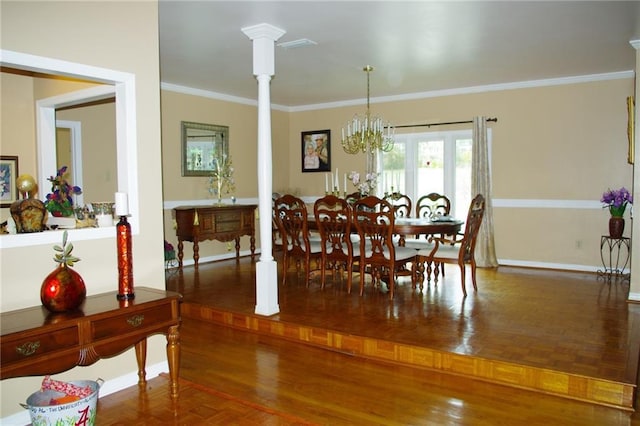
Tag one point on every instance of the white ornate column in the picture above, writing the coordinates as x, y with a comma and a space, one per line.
264, 37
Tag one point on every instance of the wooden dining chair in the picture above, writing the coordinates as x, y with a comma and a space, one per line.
333, 218
379, 255
432, 205
291, 218
276, 236
460, 251
401, 204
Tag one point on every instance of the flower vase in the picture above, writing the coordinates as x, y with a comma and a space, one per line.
616, 226
62, 290
219, 182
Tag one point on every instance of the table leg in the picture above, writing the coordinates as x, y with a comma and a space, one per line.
253, 245
141, 358
196, 252
237, 248
173, 358
180, 253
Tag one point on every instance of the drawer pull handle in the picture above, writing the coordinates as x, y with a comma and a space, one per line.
28, 348
136, 320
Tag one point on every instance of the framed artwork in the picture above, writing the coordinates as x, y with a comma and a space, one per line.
631, 128
316, 151
8, 177
201, 145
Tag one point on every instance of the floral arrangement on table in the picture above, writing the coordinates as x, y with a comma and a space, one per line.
616, 201
365, 186
221, 178
59, 201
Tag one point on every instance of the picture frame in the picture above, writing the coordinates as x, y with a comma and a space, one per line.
315, 147
8, 178
201, 145
631, 128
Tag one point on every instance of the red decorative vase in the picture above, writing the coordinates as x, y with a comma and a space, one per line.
63, 290
616, 227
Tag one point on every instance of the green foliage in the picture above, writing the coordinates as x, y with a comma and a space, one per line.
64, 252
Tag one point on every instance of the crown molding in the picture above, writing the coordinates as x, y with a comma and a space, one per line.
411, 96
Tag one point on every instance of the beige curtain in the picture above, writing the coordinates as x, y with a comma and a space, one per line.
481, 184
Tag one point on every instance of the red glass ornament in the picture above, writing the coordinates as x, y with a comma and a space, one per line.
62, 290
125, 260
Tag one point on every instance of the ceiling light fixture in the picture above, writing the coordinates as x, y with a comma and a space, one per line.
368, 134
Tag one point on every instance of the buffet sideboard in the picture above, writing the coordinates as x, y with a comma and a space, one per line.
225, 222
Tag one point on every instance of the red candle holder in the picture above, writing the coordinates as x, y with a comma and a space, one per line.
125, 260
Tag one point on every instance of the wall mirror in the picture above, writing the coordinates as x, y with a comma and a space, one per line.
202, 144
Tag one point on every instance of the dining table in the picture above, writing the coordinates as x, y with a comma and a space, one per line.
444, 225
414, 227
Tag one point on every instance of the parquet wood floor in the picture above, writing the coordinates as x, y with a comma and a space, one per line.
578, 334
233, 377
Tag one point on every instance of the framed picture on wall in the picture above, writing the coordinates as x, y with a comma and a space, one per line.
316, 151
8, 176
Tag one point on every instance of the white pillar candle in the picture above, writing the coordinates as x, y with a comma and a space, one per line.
326, 183
332, 182
122, 204
337, 181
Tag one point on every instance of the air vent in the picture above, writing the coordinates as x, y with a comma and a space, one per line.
303, 42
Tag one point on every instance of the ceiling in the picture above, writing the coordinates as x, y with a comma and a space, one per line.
415, 47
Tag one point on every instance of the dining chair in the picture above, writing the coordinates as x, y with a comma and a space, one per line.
433, 204
353, 197
379, 255
460, 251
401, 204
291, 218
333, 218
276, 236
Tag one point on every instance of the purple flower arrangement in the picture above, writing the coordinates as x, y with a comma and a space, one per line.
616, 201
59, 201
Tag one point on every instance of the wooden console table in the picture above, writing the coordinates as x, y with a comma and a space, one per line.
37, 342
222, 223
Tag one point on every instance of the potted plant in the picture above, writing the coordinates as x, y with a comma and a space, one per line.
616, 201
59, 201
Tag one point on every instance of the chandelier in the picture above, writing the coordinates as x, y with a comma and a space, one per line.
367, 134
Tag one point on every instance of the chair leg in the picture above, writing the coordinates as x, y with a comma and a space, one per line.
284, 269
322, 271
349, 276
473, 274
462, 279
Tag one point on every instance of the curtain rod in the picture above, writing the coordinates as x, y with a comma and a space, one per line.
494, 119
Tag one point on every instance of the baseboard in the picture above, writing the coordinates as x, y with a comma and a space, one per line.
111, 386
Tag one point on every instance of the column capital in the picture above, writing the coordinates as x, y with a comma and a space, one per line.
264, 30
263, 37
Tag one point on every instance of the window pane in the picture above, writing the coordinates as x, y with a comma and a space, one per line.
430, 167
393, 174
463, 178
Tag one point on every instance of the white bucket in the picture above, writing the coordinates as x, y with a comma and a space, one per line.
80, 412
